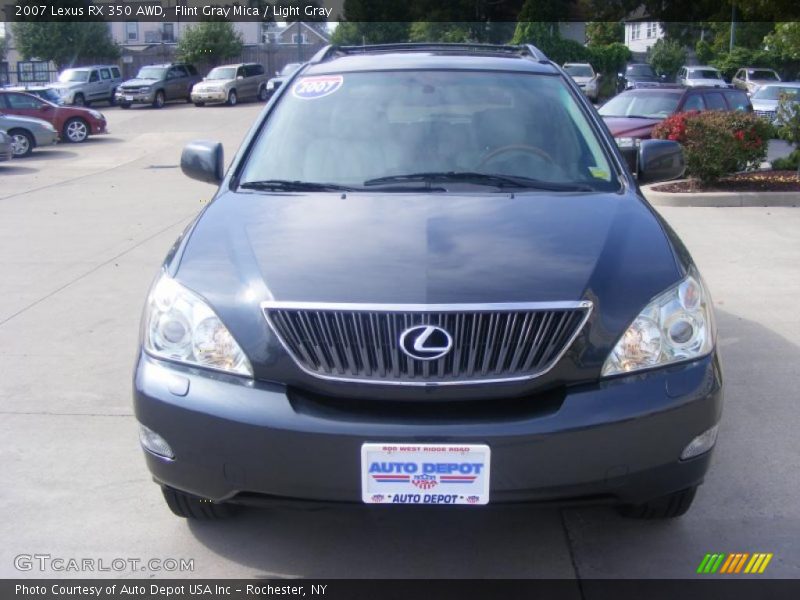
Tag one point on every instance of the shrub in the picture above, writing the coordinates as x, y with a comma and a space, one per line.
667, 57
717, 143
789, 122
787, 163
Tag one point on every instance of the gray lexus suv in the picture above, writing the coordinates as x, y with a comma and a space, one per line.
429, 277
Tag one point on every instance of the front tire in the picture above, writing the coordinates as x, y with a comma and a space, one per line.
124, 105
665, 507
159, 100
79, 100
199, 103
22, 143
198, 509
263, 95
76, 130
233, 98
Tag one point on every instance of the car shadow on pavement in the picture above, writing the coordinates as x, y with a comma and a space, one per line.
743, 510
50, 154
384, 542
103, 139
16, 170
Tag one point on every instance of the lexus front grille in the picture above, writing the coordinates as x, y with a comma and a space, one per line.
477, 343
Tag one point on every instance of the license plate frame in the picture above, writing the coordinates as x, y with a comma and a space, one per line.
420, 473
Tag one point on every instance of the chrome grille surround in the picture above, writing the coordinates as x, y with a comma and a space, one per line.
767, 114
359, 343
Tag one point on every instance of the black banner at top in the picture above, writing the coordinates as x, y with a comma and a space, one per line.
401, 10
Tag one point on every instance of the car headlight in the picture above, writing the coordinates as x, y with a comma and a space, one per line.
49, 126
626, 142
677, 325
178, 325
270, 85
97, 115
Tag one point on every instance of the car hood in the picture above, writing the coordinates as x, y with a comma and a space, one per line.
706, 83
6, 120
764, 104
622, 126
247, 248
583, 79
213, 83
65, 86
138, 82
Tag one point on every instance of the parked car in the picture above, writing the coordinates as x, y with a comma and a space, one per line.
6, 146
585, 77
701, 76
281, 76
231, 83
83, 85
634, 113
27, 133
766, 99
749, 79
158, 84
45, 93
74, 123
638, 75
429, 277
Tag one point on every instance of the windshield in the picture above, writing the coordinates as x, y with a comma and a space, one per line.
704, 74
764, 75
579, 70
353, 128
289, 69
151, 73
640, 71
650, 105
774, 92
222, 73
73, 76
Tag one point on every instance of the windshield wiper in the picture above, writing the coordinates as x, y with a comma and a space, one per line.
286, 185
493, 179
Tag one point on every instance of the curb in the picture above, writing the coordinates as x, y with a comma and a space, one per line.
720, 199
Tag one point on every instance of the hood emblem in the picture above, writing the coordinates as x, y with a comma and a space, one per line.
426, 342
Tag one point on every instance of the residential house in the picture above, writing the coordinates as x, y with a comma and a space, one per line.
641, 33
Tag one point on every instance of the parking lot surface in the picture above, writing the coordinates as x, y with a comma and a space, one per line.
83, 230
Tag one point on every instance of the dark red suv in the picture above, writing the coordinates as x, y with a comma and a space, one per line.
74, 124
634, 113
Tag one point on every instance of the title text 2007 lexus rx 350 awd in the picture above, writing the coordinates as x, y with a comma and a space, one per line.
429, 277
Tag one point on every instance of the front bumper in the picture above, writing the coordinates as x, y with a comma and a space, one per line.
209, 96
619, 440
123, 97
46, 138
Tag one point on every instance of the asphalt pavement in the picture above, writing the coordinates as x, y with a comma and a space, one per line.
83, 230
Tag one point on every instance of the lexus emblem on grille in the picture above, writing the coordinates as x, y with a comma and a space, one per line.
425, 342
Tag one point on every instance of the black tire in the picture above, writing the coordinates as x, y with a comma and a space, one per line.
263, 94
665, 507
124, 105
79, 100
76, 130
113, 98
199, 103
159, 100
198, 509
22, 142
233, 98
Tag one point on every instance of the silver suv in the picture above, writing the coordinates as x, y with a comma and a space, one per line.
231, 83
158, 84
83, 85
750, 79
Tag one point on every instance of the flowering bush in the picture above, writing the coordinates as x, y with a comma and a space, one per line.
717, 143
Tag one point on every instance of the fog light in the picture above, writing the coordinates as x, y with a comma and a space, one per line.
154, 442
702, 443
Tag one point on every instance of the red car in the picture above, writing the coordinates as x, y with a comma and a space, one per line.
634, 113
74, 124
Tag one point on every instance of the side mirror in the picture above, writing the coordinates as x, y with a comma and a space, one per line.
660, 160
203, 160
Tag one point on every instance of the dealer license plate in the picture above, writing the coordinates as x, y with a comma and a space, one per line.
425, 473
128, 98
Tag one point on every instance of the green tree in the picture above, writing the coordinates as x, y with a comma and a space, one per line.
355, 33
209, 42
603, 33
459, 32
666, 57
785, 40
788, 125
65, 42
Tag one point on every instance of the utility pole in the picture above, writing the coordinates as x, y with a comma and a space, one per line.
733, 28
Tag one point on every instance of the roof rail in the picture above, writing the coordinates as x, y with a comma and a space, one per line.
331, 51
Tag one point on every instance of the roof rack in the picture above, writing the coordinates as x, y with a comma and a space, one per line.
527, 50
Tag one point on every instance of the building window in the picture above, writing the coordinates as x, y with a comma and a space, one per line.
652, 29
635, 31
299, 38
168, 33
131, 31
